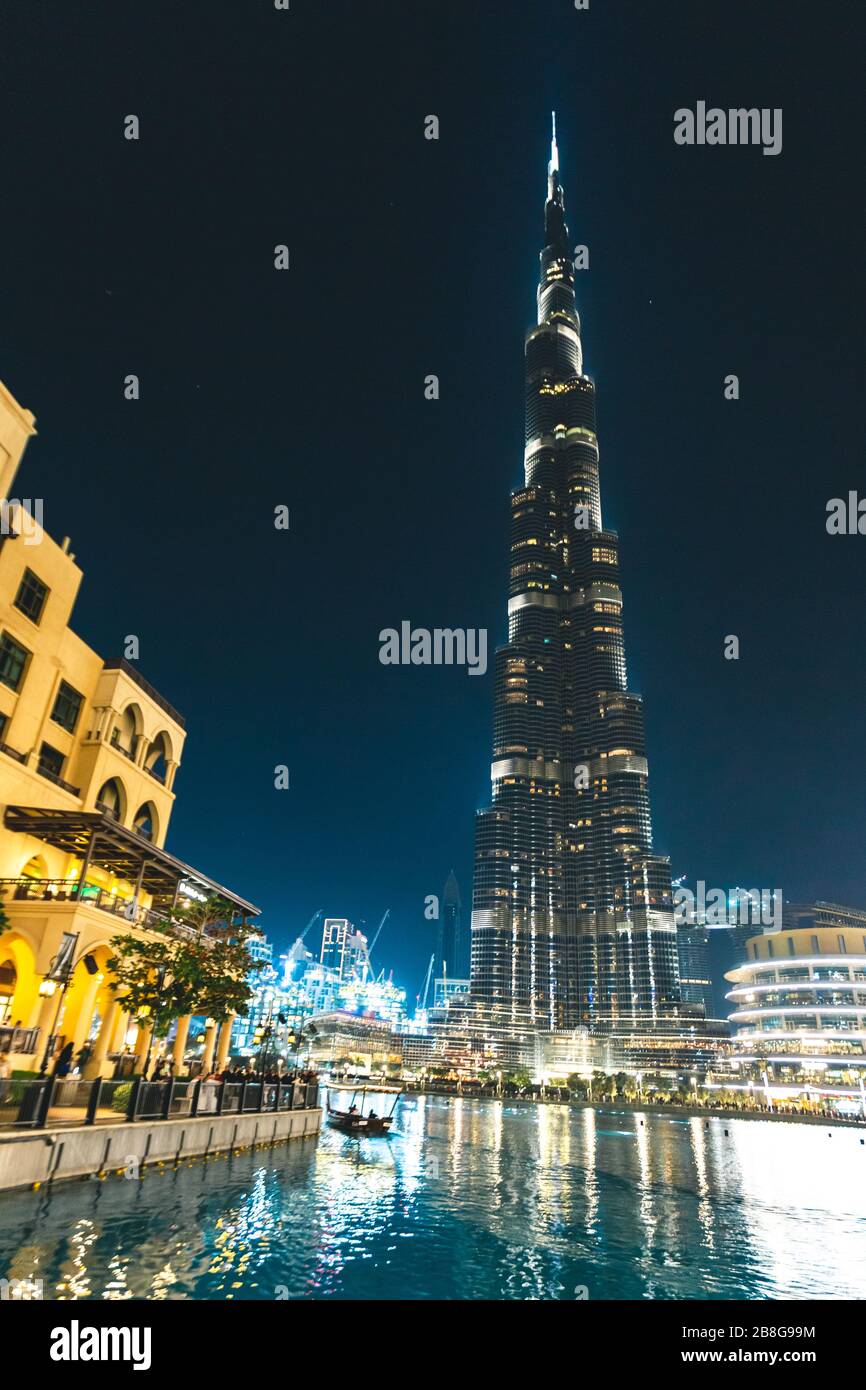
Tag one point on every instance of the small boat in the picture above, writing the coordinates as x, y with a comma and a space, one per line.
355, 1121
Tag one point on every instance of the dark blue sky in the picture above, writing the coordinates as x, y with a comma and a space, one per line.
306, 388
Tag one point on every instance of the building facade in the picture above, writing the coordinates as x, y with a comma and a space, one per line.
450, 953
799, 1002
696, 984
343, 948
89, 751
572, 911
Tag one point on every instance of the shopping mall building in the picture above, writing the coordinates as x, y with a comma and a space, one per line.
799, 1008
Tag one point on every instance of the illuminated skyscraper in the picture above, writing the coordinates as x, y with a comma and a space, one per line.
696, 985
572, 913
344, 950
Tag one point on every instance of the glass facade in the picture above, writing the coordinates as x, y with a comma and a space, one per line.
804, 1019
572, 911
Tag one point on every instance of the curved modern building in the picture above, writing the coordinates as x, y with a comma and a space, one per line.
572, 915
799, 1001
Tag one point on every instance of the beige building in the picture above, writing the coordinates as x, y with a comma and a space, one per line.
89, 752
798, 1004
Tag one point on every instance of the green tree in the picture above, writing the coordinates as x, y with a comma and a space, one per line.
601, 1085
171, 972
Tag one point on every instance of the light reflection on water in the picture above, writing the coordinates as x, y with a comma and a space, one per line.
469, 1199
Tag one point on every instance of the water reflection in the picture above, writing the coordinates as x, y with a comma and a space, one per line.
469, 1199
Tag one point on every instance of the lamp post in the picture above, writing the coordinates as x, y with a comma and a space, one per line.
46, 989
60, 972
267, 1034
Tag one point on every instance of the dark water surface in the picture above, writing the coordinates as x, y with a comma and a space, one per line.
469, 1199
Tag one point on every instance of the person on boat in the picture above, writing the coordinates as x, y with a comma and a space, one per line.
353, 1109
371, 1115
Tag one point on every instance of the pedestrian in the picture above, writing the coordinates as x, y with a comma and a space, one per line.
63, 1065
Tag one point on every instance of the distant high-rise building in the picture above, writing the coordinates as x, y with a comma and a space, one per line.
450, 953
295, 961
823, 917
261, 951
356, 961
696, 985
572, 915
334, 933
343, 949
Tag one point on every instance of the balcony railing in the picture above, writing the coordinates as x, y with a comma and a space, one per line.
18, 1039
57, 779
119, 663
64, 890
13, 753
121, 748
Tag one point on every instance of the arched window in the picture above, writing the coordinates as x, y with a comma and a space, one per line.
145, 821
126, 731
111, 799
35, 868
158, 756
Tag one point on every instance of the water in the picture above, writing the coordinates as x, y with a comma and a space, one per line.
470, 1199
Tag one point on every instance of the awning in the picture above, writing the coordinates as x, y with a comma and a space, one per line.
120, 851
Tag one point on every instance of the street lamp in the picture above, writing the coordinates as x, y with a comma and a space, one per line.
60, 972
267, 1033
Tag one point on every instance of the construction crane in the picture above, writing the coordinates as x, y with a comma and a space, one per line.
376, 937
427, 981
287, 958
315, 917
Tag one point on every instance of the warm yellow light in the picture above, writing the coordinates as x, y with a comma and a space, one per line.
47, 988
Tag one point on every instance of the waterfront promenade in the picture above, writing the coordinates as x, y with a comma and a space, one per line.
69, 1129
639, 1107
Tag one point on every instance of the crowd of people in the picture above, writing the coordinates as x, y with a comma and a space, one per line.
66, 1063
239, 1069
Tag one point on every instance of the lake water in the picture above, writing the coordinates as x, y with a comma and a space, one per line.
470, 1199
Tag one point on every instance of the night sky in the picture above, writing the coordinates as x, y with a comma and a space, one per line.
305, 388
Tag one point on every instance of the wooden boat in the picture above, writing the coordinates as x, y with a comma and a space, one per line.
355, 1121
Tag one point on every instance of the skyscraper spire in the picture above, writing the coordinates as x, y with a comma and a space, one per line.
555, 230
553, 166
572, 920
